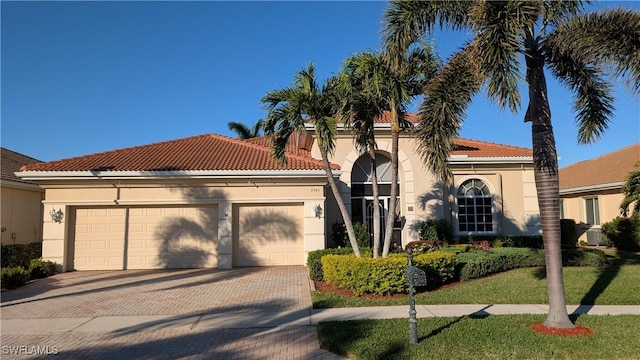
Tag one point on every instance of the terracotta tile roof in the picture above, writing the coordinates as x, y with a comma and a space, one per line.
609, 168
11, 162
292, 146
204, 152
476, 148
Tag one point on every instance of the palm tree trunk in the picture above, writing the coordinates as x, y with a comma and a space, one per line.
336, 194
395, 135
376, 202
545, 161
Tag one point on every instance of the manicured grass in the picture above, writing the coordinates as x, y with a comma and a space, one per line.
614, 285
492, 337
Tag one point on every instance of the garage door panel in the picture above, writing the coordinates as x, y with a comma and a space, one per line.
152, 236
268, 235
99, 239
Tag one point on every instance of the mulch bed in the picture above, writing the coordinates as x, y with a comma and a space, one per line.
576, 331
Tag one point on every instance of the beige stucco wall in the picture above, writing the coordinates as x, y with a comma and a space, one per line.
21, 213
423, 197
574, 207
516, 211
310, 193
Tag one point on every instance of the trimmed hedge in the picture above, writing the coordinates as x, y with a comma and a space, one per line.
315, 266
20, 254
477, 264
14, 276
39, 268
384, 276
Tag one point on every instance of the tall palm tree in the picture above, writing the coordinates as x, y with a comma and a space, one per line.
243, 131
306, 102
581, 50
382, 86
631, 191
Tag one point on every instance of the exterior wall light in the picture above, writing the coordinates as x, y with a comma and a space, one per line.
56, 216
317, 210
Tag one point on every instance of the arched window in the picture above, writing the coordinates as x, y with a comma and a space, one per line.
475, 207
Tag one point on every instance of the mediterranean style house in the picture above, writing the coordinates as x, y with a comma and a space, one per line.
590, 190
21, 200
214, 201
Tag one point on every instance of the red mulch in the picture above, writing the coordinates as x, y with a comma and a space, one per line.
576, 331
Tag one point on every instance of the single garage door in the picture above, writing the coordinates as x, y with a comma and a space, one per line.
266, 235
145, 238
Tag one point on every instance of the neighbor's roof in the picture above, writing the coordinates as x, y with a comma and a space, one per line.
204, 152
11, 162
610, 168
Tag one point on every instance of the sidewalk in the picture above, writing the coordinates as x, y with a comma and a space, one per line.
249, 320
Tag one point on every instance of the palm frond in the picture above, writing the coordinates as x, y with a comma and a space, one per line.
556, 11
442, 111
608, 40
499, 27
241, 130
406, 21
593, 100
631, 191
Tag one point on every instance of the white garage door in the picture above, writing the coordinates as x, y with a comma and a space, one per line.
268, 235
145, 238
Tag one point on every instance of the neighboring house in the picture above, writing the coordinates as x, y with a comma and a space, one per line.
21, 201
590, 190
213, 201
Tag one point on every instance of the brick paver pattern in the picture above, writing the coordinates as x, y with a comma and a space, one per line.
164, 292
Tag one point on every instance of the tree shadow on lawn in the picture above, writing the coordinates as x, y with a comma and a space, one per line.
606, 275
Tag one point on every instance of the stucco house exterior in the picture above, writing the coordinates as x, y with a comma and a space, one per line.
214, 201
591, 190
21, 213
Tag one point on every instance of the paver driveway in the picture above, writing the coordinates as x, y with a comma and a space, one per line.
85, 300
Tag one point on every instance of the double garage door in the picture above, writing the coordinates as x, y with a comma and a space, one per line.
184, 237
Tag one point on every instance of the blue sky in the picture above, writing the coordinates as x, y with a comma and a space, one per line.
85, 77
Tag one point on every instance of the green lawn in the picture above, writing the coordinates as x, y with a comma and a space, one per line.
492, 337
614, 285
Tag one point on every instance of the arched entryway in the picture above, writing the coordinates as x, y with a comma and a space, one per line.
362, 202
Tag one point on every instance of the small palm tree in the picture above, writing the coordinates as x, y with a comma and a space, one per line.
243, 132
378, 86
631, 191
305, 102
579, 49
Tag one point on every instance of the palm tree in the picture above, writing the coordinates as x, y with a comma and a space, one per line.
377, 87
305, 102
580, 50
631, 191
243, 132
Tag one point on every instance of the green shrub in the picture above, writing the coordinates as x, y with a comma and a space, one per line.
339, 234
568, 234
623, 232
315, 265
477, 264
20, 254
384, 276
14, 276
435, 230
584, 257
39, 268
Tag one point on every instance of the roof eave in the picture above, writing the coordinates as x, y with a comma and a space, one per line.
463, 159
592, 188
198, 174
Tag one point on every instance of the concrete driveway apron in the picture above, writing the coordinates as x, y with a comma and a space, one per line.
243, 313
